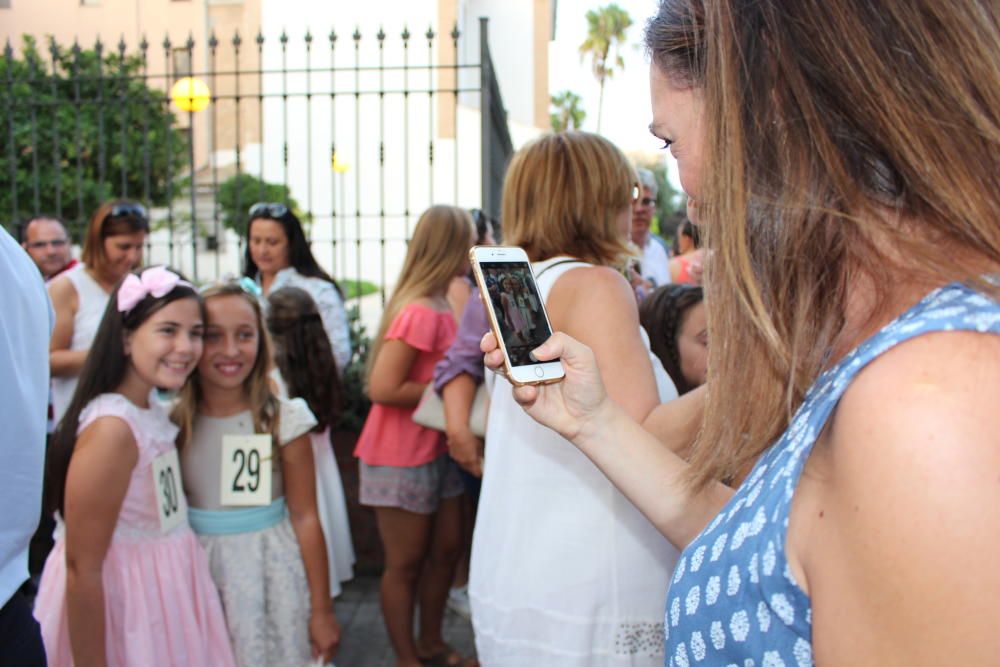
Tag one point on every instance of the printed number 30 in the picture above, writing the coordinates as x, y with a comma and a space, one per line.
168, 482
251, 463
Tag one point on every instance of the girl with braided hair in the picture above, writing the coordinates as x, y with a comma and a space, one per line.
674, 317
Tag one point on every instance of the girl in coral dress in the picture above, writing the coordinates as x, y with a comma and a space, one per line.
127, 582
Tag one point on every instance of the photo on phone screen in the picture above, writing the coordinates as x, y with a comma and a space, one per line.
513, 295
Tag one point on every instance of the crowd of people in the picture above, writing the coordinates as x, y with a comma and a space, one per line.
781, 438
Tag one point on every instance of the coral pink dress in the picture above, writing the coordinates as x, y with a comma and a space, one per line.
160, 605
390, 437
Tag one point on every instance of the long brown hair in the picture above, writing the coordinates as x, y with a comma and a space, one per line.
263, 403
848, 142
436, 254
103, 372
303, 354
562, 195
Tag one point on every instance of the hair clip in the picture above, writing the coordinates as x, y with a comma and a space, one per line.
250, 286
157, 281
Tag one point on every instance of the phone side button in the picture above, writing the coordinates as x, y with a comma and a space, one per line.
539, 372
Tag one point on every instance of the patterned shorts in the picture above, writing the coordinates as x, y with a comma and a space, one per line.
418, 489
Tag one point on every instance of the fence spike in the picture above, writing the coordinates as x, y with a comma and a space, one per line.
284, 38
189, 44
380, 35
236, 39
144, 44
8, 53
455, 33
406, 34
309, 37
166, 43
99, 46
213, 41
357, 34
332, 37
260, 39
121, 46
429, 34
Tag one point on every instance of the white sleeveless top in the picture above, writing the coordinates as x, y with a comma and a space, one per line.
91, 302
565, 571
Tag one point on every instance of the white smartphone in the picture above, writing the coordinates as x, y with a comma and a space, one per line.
516, 312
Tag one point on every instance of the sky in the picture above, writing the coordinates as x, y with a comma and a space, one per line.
626, 95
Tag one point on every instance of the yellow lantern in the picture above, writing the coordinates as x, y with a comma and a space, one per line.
190, 94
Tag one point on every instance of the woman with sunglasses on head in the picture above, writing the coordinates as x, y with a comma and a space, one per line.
278, 255
112, 247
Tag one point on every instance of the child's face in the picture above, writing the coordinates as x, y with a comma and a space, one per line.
166, 347
231, 342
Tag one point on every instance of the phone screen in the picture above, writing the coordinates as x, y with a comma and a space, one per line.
513, 296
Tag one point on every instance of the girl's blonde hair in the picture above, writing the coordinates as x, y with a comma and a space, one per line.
847, 142
437, 253
262, 400
562, 195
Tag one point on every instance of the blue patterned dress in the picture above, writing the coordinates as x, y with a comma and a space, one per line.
733, 599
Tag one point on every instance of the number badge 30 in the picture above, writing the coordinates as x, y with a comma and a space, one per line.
170, 502
246, 470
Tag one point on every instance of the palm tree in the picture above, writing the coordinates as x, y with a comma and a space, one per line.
605, 29
566, 112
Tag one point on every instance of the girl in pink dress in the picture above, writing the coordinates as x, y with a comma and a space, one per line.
127, 582
406, 473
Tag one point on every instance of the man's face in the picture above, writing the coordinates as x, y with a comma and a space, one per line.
48, 244
642, 216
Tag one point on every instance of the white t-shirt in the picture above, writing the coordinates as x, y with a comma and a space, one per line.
655, 263
24, 393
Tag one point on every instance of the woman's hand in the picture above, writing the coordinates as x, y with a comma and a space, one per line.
572, 407
324, 634
467, 451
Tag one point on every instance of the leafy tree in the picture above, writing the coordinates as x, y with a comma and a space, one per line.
86, 128
238, 193
566, 111
606, 29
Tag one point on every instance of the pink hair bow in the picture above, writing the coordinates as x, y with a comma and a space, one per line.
157, 281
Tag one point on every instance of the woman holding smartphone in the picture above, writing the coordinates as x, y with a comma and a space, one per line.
564, 569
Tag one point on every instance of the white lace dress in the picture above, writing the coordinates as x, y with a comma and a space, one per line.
260, 574
565, 571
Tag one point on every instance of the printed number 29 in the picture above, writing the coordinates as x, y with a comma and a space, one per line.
168, 482
251, 464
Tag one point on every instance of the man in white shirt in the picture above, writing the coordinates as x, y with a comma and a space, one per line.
654, 263
24, 366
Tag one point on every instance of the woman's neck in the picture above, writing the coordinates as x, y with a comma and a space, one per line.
135, 389
107, 283
223, 402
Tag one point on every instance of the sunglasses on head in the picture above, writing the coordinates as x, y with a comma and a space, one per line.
128, 209
264, 209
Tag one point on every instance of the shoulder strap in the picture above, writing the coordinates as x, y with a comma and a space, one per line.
569, 260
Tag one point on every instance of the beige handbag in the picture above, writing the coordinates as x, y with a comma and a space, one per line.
430, 411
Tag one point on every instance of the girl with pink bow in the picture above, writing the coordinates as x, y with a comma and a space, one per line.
127, 582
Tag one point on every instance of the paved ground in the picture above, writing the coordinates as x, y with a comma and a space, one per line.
365, 643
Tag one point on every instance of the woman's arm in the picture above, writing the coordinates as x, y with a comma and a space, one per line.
96, 484
65, 302
388, 383
300, 492
334, 315
896, 522
463, 445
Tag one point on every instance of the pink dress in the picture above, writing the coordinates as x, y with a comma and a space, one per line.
390, 437
160, 605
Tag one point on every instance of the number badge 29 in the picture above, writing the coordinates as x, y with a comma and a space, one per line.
170, 503
246, 470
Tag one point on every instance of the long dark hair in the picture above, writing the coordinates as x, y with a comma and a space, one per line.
103, 372
303, 354
661, 314
299, 253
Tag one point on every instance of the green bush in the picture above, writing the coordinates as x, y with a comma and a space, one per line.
355, 404
238, 193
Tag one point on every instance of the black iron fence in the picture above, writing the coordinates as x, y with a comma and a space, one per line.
358, 132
